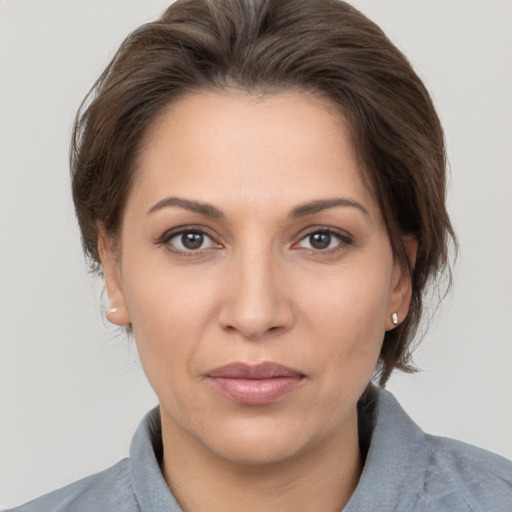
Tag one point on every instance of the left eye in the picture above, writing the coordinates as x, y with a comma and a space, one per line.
322, 240
192, 240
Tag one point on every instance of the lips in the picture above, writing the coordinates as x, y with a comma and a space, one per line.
260, 384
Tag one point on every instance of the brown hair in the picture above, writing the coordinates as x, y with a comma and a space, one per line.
262, 46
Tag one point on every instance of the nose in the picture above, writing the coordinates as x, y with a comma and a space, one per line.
256, 297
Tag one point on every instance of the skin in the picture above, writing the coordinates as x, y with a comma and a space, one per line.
257, 289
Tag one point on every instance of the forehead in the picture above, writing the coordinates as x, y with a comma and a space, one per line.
277, 149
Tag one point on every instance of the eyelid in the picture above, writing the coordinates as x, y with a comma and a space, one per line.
345, 238
168, 235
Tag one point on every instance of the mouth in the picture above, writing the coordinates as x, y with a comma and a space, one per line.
260, 384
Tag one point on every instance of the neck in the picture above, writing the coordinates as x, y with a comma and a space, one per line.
319, 479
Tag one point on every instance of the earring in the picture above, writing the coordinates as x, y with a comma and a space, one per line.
394, 319
112, 310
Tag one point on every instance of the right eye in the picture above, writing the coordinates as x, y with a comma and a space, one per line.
189, 241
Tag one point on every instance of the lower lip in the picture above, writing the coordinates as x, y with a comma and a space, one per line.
255, 391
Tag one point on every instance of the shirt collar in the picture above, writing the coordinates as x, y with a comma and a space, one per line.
392, 476
394, 470
148, 483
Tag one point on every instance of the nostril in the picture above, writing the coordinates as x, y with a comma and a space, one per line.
259, 312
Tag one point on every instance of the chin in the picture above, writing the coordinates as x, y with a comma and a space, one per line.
258, 442
252, 452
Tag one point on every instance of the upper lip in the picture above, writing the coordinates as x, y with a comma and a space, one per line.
266, 370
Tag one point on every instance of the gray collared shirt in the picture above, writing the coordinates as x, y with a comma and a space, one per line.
405, 470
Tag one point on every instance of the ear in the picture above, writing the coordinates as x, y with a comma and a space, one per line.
402, 286
117, 312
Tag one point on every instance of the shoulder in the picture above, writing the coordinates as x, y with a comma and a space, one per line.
459, 472
409, 470
108, 490
130, 485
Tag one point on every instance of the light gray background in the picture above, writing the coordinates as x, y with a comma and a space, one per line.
71, 394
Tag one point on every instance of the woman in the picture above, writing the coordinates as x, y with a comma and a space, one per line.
262, 186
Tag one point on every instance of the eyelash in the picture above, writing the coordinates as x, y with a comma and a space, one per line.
166, 238
343, 239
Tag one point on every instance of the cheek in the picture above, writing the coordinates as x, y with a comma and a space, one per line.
349, 311
168, 312
354, 297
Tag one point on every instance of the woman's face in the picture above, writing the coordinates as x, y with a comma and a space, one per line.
257, 273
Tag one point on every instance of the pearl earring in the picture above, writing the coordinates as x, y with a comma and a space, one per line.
112, 310
394, 319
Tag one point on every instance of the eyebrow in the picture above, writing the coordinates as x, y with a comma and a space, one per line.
324, 204
195, 206
302, 210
